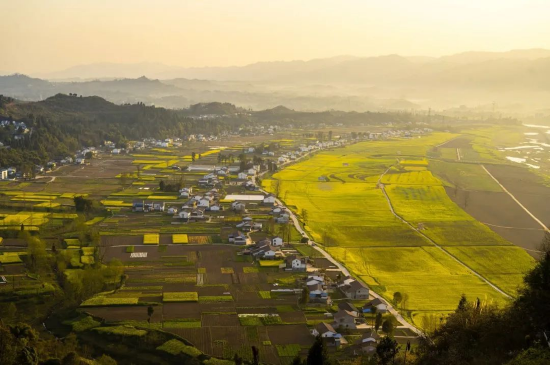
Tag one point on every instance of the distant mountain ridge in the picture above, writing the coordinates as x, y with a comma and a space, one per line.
518, 80
265, 70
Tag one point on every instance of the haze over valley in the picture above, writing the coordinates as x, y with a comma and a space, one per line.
255, 182
511, 82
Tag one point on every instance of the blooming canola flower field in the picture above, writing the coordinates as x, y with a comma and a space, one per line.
339, 195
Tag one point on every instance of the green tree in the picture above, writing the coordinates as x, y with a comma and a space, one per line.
532, 356
8, 346
305, 216
397, 298
106, 360
304, 299
387, 349
462, 303
318, 353
150, 311
37, 256
82, 204
237, 359
71, 358
378, 321
388, 326
255, 356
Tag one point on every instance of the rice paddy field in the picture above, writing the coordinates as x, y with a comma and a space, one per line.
349, 213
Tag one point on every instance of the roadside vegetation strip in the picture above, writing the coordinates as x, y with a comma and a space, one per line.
517, 201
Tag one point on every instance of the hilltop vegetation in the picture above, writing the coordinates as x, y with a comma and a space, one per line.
63, 123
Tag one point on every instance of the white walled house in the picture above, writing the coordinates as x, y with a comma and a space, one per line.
296, 263
324, 329
204, 203
269, 199
277, 241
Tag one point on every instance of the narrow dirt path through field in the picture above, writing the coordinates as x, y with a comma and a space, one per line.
517, 201
411, 226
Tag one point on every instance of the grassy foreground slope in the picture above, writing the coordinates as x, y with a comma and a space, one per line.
350, 215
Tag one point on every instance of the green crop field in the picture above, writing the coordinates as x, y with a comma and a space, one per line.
504, 266
175, 347
121, 331
99, 301
432, 280
464, 176
349, 214
180, 297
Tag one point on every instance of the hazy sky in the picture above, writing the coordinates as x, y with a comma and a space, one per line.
49, 35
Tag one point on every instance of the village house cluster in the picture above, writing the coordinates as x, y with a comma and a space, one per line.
348, 316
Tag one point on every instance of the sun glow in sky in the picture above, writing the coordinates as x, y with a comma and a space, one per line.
43, 36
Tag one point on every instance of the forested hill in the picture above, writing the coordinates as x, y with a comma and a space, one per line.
62, 124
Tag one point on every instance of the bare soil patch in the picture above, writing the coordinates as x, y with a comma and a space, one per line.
501, 214
293, 317
527, 187
294, 333
199, 337
460, 142
215, 320
181, 310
